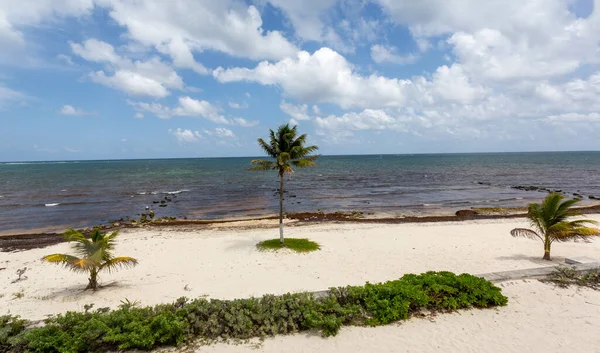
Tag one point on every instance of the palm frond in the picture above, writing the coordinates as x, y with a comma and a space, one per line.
575, 234
302, 163
118, 263
261, 165
268, 148
59, 258
71, 262
73, 235
525, 233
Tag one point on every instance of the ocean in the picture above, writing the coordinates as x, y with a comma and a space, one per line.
37, 195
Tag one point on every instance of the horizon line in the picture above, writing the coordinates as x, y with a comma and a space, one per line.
262, 156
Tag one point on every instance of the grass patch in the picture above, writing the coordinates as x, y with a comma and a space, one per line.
298, 245
184, 321
565, 277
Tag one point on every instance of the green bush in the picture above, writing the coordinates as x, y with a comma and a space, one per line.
130, 327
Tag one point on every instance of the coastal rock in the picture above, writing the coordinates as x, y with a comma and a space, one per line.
592, 197
466, 213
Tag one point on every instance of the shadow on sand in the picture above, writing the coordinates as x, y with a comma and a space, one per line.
556, 260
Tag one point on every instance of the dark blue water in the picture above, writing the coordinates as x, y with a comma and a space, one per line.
43, 194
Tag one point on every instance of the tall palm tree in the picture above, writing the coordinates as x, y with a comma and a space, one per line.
94, 255
550, 219
288, 151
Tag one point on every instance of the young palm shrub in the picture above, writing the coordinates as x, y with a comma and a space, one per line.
288, 151
94, 255
550, 220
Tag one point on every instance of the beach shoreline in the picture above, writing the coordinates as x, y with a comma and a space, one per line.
24, 239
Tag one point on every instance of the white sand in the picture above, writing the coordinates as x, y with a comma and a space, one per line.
223, 262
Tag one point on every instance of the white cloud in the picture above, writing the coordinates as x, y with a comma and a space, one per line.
324, 76
71, 110
191, 108
96, 50
297, 112
368, 119
138, 115
15, 16
186, 136
452, 84
245, 123
151, 77
186, 27
187, 107
381, 54
131, 83
220, 132
505, 40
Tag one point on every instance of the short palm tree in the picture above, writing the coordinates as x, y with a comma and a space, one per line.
94, 255
288, 151
550, 219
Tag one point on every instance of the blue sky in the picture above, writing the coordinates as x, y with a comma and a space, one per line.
103, 79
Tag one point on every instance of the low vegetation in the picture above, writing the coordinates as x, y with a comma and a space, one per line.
132, 327
498, 210
95, 255
295, 244
565, 277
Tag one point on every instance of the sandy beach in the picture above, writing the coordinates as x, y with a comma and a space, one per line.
221, 261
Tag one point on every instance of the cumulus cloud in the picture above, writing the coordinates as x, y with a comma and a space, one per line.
71, 110
151, 77
187, 107
245, 123
325, 76
186, 136
225, 26
220, 132
297, 112
382, 54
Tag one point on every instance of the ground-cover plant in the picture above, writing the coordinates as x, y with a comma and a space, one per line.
289, 151
565, 277
295, 244
133, 327
95, 255
550, 218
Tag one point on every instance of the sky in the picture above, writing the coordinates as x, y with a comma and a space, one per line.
118, 79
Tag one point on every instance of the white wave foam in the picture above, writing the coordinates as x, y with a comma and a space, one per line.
175, 192
51, 204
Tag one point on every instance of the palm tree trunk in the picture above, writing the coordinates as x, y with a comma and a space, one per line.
547, 249
93, 280
281, 209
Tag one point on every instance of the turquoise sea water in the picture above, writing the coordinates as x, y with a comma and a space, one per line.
84, 193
